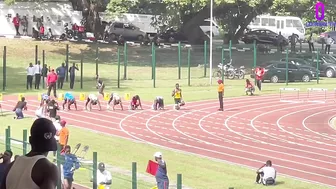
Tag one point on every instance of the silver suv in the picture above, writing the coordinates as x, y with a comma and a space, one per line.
127, 30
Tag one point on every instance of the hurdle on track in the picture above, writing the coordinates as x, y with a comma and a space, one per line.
322, 95
294, 94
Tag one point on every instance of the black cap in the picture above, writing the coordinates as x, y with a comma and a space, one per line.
42, 135
101, 165
57, 117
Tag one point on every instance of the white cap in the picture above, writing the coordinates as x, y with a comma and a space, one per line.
158, 154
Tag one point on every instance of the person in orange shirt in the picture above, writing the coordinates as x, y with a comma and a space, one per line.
63, 135
220, 94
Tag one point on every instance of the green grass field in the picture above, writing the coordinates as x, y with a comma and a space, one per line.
121, 152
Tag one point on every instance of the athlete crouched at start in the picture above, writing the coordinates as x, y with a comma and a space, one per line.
93, 100
69, 99
115, 100
158, 103
135, 102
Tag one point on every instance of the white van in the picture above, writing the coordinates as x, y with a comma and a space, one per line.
287, 25
205, 26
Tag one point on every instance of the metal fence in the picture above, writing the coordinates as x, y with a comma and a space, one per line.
134, 61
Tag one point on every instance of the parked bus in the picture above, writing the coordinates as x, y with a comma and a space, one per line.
287, 25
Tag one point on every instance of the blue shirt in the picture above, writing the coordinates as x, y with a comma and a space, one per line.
70, 164
69, 96
61, 71
44, 97
161, 173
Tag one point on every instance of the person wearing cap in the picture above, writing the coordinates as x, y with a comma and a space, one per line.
69, 99
70, 165
63, 135
115, 100
92, 100
19, 107
51, 82
6, 160
177, 94
34, 170
104, 177
162, 179
220, 94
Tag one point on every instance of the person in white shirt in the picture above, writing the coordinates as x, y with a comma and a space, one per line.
104, 176
58, 128
158, 103
30, 75
266, 174
93, 100
37, 72
115, 100
329, 41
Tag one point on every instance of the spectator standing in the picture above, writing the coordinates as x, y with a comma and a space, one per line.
293, 42
104, 176
220, 94
162, 179
44, 73
70, 164
64, 135
259, 74
329, 41
51, 82
37, 72
34, 170
311, 43
20, 106
58, 128
16, 22
72, 71
61, 72
6, 160
30, 76
24, 23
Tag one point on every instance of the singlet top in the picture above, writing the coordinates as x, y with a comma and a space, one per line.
69, 96
159, 98
116, 97
20, 174
93, 97
177, 93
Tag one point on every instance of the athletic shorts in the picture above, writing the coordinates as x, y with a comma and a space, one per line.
70, 101
116, 102
177, 100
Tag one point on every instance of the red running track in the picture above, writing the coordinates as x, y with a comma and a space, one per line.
295, 135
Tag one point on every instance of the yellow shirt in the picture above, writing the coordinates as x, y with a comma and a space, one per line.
177, 93
221, 88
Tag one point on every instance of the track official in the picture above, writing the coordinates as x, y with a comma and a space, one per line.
220, 94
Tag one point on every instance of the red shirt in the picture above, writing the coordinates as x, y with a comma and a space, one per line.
42, 30
16, 21
249, 85
52, 78
259, 73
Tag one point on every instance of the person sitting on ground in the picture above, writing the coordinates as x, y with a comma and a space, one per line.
135, 102
266, 174
52, 109
34, 170
70, 165
69, 99
20, 106
158, 103
177, 94
93, 100
249, 88
115, 100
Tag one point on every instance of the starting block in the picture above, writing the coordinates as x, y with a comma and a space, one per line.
20, 96
106, 96
39, 96
127, 96
60, 97
81, 97
289, 94
1, 97
318, 95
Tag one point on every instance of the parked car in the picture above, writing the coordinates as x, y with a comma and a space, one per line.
172, 36
275, 71
128, 31
263, 36
327, 63
324, 35
300, 62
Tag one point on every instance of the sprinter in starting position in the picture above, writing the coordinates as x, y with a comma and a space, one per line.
135, 103
93, 100
69, 99
158, 103
115, 100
